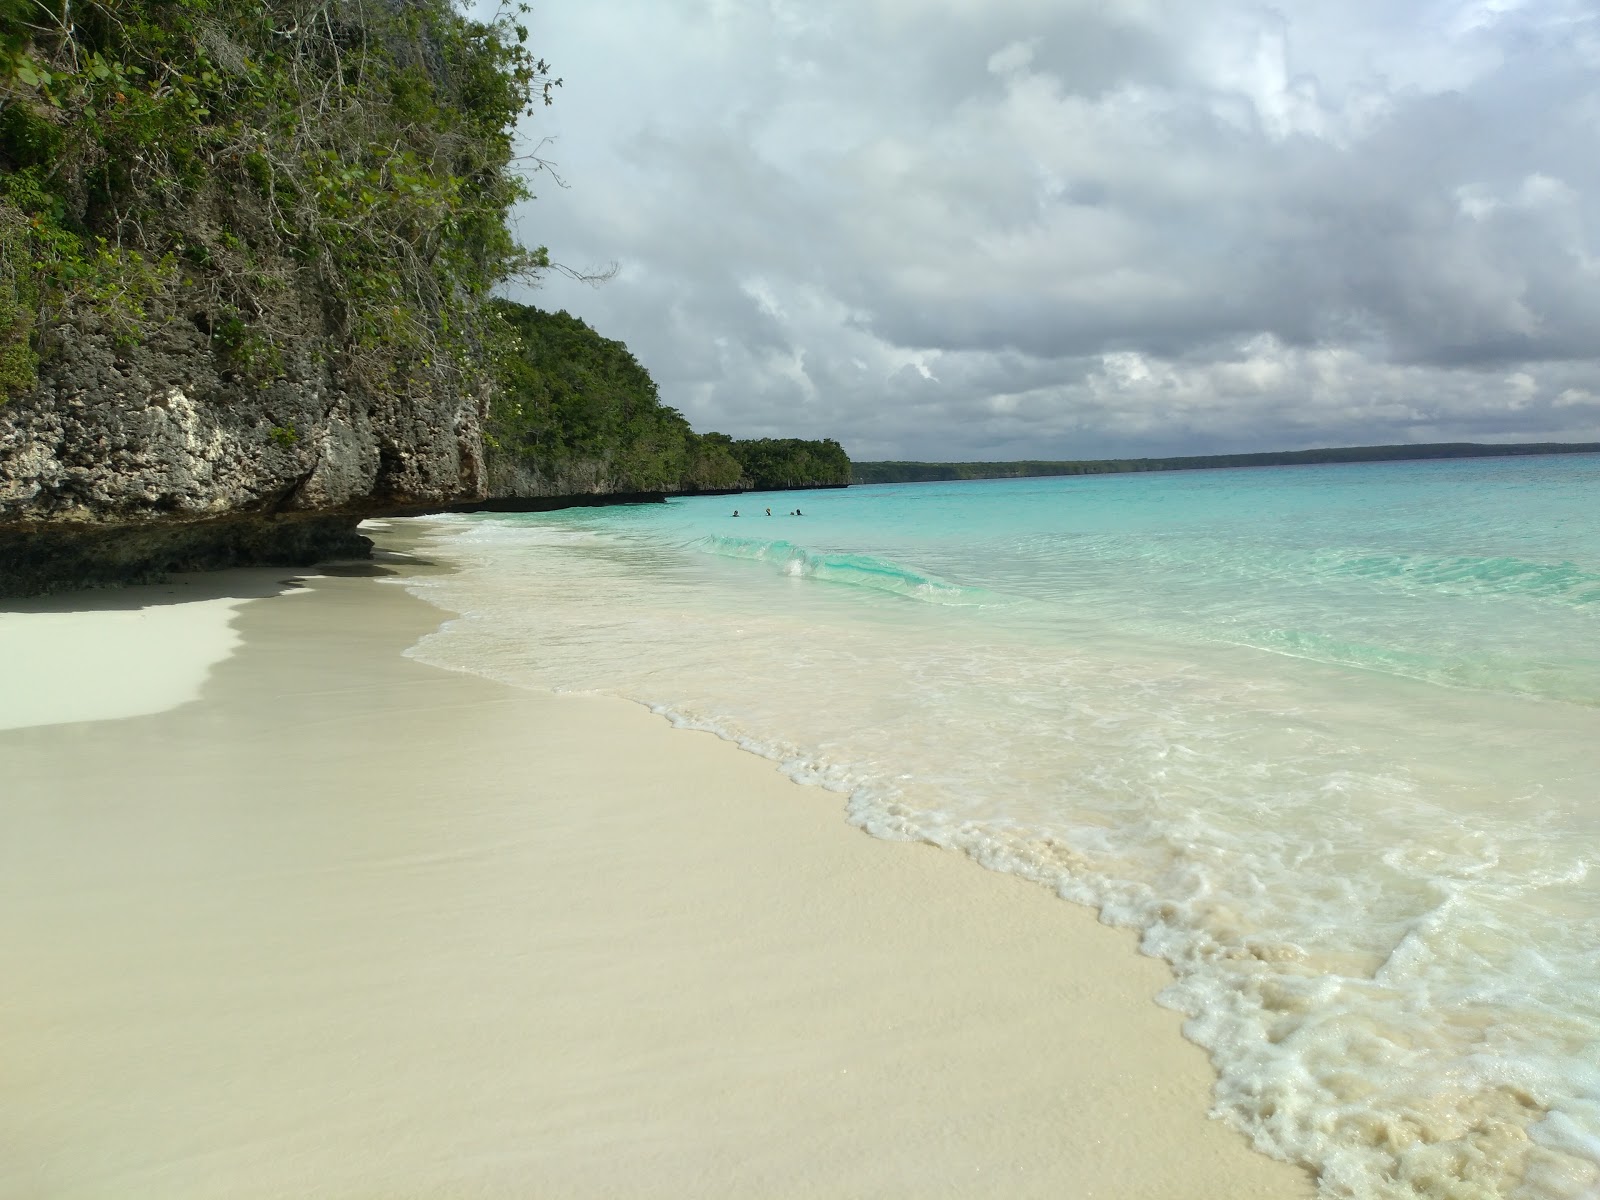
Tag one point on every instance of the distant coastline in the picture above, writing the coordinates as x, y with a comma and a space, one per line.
929, 472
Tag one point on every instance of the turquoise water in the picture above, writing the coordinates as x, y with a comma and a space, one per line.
1329, 737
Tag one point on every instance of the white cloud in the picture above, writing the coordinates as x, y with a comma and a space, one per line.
946, 227
1012, 59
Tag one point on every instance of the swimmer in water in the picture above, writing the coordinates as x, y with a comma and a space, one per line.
736, 512
769, 512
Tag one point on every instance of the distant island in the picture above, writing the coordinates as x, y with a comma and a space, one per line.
929, 472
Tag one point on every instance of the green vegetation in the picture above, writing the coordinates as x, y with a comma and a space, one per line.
276, 172
792, 462
575, 412
923, 472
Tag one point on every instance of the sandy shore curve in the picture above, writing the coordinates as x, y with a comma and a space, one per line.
352, 926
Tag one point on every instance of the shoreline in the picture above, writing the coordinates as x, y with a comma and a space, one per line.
351, 924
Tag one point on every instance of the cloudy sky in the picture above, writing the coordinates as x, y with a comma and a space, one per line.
1065, 228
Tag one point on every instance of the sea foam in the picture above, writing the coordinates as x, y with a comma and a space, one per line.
852, 570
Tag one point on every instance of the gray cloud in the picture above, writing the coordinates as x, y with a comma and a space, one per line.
964, 228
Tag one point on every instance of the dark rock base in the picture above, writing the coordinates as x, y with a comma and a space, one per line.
52, 558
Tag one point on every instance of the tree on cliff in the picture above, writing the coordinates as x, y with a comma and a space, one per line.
278, 173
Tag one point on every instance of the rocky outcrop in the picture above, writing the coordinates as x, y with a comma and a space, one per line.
131, 460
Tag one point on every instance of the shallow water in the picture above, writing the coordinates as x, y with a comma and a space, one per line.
1328, 736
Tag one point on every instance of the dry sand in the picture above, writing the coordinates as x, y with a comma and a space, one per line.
351, 926
114, 652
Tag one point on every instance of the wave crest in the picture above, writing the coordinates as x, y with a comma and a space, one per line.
853, 570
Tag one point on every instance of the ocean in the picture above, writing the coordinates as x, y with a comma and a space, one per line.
1328, 737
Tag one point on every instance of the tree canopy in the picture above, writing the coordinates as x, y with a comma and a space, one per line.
222, 160
576, 412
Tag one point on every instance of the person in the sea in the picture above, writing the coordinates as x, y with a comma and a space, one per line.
769, 512
798, 513
736, 512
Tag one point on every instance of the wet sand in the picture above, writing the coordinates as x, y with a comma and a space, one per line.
351, 926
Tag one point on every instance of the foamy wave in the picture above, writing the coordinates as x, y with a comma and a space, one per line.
853, 570
1339, 1072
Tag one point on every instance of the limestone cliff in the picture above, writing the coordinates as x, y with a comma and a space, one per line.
245, 248
130, 461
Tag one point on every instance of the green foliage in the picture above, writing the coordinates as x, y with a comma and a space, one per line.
712, 463
569, 400
234, 152
571, 405
791, 462
284, 435
17, 360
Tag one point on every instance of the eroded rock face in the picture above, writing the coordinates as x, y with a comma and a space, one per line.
159, 456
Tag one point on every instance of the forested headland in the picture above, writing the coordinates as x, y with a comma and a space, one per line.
575, 412
927, 472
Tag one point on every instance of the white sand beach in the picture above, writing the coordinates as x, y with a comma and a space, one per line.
116, 652
327, 922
